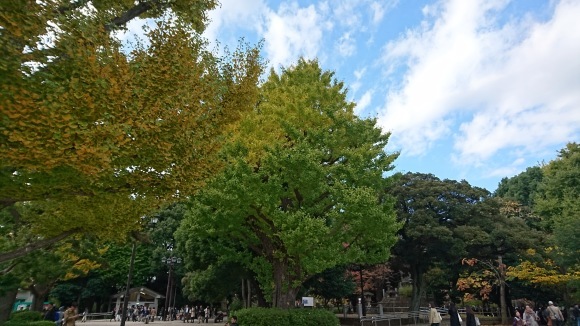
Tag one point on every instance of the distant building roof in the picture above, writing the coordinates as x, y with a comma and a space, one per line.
145, 293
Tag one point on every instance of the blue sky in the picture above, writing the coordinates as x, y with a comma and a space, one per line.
470, 89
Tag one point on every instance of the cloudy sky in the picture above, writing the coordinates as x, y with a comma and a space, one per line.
470, 89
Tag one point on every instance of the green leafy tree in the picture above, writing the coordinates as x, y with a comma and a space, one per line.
332, 284
430, 209
557, 204
302, 193
522, 187
446, 221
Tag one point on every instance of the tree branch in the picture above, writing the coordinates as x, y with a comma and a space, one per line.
136, 11
23, 251
72, 6
8, 269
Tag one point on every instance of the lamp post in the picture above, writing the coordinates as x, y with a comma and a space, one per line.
169, 261
129, 277
152, 221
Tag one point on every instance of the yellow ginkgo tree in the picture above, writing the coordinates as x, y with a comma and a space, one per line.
92, 134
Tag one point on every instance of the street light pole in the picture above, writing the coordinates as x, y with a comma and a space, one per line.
167, 293
170, 261
129, 277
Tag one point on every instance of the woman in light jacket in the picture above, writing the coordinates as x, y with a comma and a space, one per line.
434, 316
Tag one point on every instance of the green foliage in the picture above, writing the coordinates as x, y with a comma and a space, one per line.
301, 194
28, 323
559, 203
237, 304
333, 283
522, 187
292, 317
555, 262
445, 221
26, 316
406, 291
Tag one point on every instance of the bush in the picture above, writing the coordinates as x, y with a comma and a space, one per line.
313, 317
26, 315
292, 317
29, 323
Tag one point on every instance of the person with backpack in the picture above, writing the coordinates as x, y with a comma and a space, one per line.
555, 314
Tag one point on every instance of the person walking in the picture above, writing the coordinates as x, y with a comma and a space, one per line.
470, 317
555, 314
530, 318
453, 315
85, 313
518, 320
434, 316
576, 314
70, 315
207, 314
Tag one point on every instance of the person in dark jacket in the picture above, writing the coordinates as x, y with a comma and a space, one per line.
51, 313
453, 315
470, 320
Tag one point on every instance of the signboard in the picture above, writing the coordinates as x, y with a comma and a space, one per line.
308, 301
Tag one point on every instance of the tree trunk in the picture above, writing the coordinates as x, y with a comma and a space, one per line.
39, 292
260, 297
244, 293
284, 295
418, 287
7, 300
249, 294
502, 302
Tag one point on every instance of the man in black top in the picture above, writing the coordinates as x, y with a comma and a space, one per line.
576, 314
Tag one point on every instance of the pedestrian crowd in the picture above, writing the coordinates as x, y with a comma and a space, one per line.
551, 315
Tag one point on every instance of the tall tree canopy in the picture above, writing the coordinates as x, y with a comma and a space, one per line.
302, 190
557, 204
92, 136
445, 221
521, 188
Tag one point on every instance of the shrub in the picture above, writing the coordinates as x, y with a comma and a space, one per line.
26, 315
292, 317
29, 323
313, 317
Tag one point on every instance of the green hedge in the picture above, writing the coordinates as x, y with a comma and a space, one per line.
292, 317
26, 315
29, 323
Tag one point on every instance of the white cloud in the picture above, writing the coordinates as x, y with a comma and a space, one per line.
380, 8
346, 45
378, 12
513, 85
234, 14
292, 32
347, 14
356, 85
363, 102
